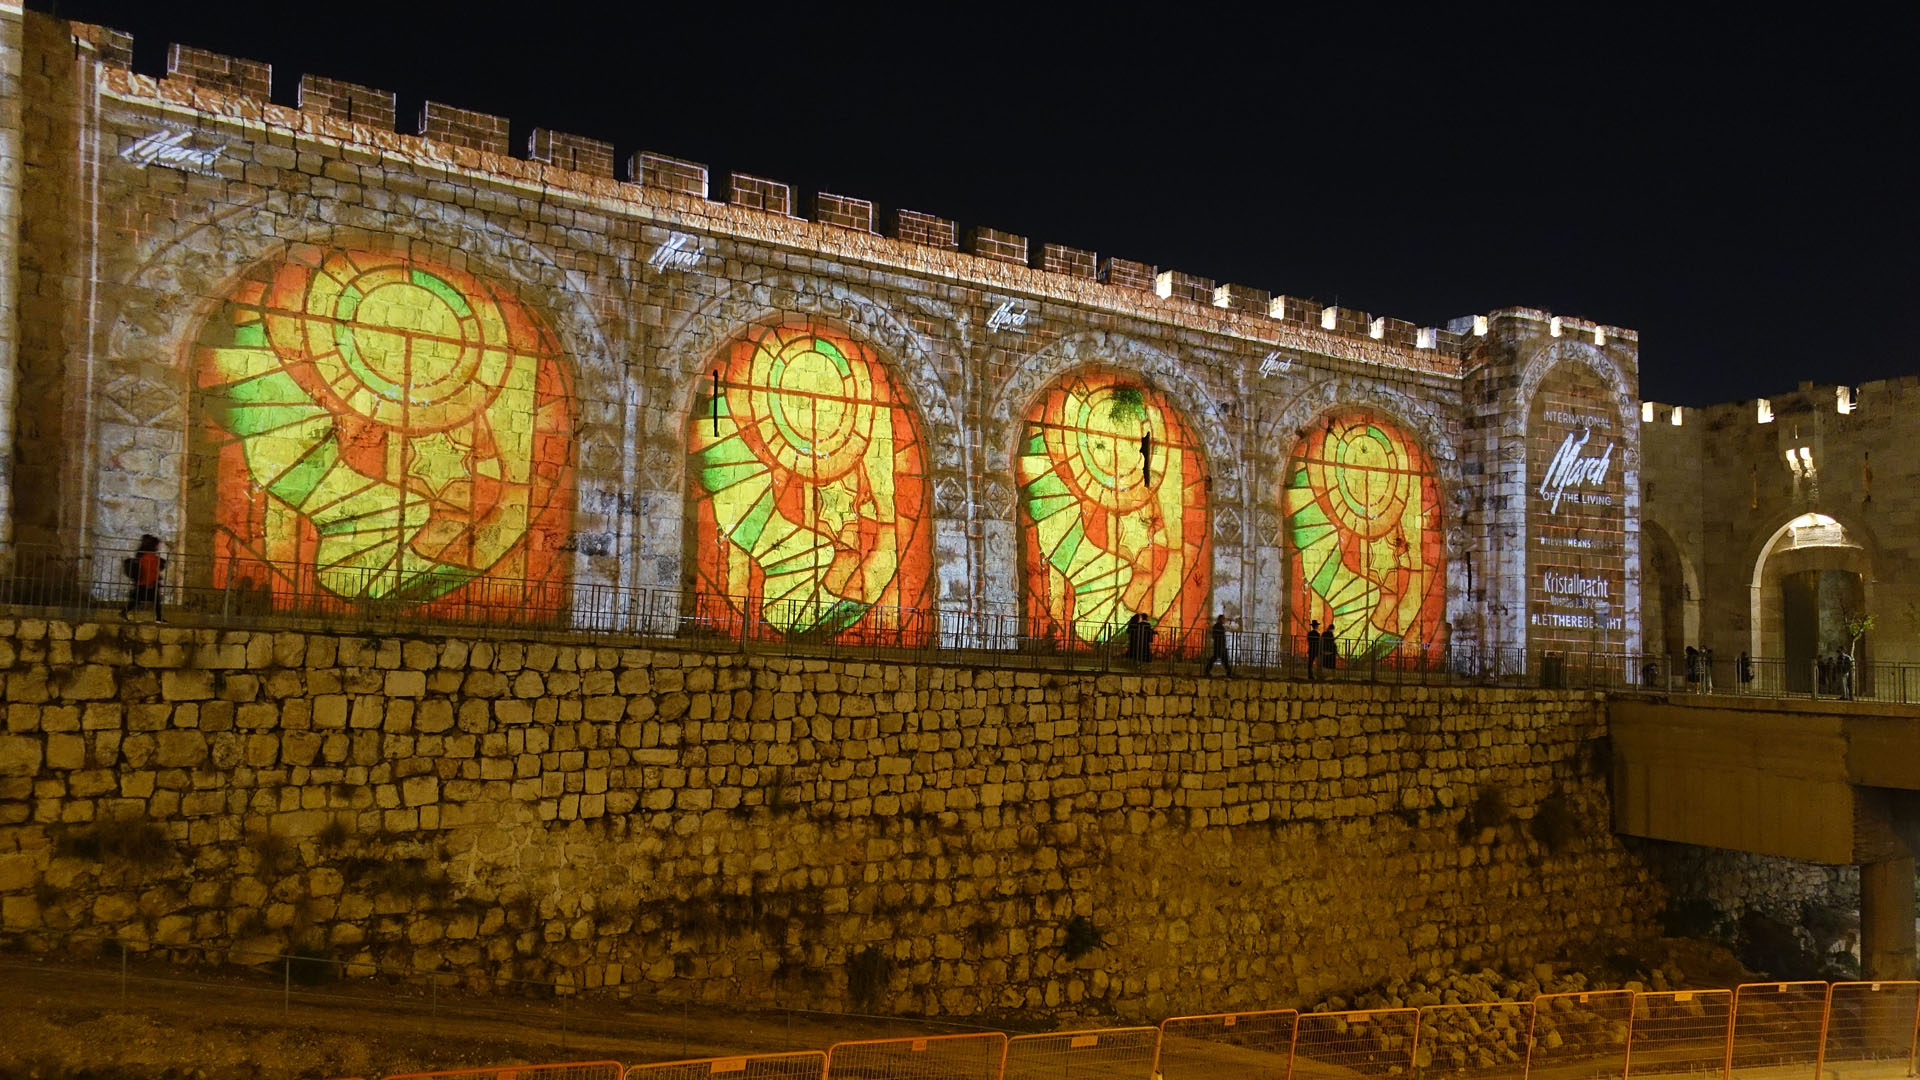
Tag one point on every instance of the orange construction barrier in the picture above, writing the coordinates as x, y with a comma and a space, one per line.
1580, 1035
1343, 1045
1870, 1029
1680, 1032
1473, 1042
1777, 1028
1227, 1046
566, 1070
798, 1065
974, 1056
1105, 1053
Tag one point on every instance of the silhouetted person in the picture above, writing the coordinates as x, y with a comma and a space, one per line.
1706, 671
1743, 670
1649, 673
1693, 667
1329, 649
1139, 638
1219, 653
1313, 647
144, 568
1843, 674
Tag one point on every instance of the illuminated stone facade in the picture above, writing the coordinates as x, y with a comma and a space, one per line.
1768, 521
325, 359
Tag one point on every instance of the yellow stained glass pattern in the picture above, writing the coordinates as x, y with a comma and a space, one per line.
1365, 547
1105, 535
809, 489
386, 428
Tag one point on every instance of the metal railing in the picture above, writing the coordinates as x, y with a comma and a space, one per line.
1859, 1030
247, 592
1776, 1030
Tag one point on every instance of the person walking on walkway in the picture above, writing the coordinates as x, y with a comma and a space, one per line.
1329, 649
1219, 653
1313, 647
144, 568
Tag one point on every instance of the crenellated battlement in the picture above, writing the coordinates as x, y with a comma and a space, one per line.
1882, 398
448, 136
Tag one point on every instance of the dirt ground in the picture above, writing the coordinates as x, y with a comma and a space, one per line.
69, 1021
76, 1020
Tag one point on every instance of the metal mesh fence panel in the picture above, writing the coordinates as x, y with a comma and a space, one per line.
1105, 1054
799, 1065
566, 1070
1777, 1028
1870, 1030
933, 1057
1471, 1042
1680, 1033
1580, 1036
1343, 1045
1228, 1046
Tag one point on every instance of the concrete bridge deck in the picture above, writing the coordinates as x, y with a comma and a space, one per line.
1824, 781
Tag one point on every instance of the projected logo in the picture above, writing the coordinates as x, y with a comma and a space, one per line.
1365, 549
1111, 531
1576, 514
809, 489
386, 428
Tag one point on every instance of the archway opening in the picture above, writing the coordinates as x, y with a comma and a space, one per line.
1810, 581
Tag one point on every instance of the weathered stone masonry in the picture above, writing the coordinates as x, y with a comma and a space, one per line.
127, 246
741, 827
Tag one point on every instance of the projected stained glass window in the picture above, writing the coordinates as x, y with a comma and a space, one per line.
1362, 506
1111, 531
810, 491
386, 428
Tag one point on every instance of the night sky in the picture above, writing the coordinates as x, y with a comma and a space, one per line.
1739, 190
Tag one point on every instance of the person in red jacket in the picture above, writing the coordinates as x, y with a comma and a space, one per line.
144, 568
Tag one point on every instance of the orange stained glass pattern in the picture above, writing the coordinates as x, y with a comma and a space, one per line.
809, 491
1108, 532
386, 428
1365, 549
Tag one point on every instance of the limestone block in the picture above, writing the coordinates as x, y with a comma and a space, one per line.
90, 682
66, 752
189, 685
27, 686
20, 755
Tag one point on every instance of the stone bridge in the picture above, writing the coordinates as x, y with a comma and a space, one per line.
1824, 781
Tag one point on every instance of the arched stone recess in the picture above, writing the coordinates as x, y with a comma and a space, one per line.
1595, 359
141, 411
1163, 371
1857, 552
1514, 433
1419, 417
1670, 593
686, 350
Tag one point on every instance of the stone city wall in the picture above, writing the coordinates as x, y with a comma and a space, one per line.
180, 236
1722, 486
755, 828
